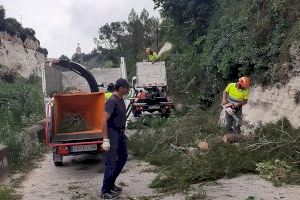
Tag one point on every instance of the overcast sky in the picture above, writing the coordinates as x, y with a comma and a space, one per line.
61, 24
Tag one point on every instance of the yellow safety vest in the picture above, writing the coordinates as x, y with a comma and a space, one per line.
153, 58
108, 95
235, 94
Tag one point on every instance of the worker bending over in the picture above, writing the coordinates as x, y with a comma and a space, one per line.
234, 97
114, 139
152, 56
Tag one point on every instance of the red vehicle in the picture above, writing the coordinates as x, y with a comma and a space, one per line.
150, 85
89, 105
151, 99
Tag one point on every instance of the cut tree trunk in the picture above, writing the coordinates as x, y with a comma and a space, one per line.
227, 138
232, 138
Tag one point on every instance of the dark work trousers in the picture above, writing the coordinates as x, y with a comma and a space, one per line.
231, 125
115, 159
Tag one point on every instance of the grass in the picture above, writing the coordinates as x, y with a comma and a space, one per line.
21, 104
7, 193
179, 169
147, 122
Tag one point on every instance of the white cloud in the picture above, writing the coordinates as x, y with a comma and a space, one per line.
61, 24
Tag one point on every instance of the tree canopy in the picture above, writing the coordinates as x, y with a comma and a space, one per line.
122, 39
13, 27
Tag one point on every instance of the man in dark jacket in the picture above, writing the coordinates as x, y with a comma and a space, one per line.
114, 139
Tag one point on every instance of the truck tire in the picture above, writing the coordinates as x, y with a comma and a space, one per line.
165, 113
57, 159
136, 113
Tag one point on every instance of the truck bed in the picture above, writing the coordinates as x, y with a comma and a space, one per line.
63, 138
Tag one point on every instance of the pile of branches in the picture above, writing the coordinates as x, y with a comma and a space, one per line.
175, 148
280, 140
73, 122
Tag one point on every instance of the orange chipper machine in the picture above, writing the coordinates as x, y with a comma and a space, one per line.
89, 105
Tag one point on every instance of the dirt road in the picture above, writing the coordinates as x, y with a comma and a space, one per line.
81, 178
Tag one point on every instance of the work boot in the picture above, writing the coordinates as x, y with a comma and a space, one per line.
109, 195
116, 189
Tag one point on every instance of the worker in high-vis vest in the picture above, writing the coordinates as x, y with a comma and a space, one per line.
152, 56
234, 97
109, 91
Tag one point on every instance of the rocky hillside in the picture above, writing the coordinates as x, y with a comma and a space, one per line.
26, 57
272, 103
19, 48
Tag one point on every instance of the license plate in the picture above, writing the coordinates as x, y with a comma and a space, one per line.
154, 107
80, 148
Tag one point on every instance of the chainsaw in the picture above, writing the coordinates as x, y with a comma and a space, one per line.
230, 111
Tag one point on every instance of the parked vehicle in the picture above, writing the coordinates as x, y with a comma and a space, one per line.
59, 105
150, 86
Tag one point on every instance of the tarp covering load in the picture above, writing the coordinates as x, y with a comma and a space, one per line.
80, 113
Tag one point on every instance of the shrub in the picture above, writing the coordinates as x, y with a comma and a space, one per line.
237, 38
277, 171
43, 51
21, 105
13, 27
7, 193
8, 75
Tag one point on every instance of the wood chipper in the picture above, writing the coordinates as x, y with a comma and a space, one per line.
73, 120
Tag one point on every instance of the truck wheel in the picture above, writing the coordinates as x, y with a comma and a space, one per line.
57, 159
165, 113
136, 113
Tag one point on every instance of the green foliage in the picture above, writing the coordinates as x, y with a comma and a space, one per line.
191, 15
7, 193
43, 51
97, 58
121, 39
7, 75
277, 171
127, 39
13, 27
180, 169
147, 122
21, 104
218, 41
64, 57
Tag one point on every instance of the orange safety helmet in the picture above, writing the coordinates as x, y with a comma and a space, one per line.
244, 82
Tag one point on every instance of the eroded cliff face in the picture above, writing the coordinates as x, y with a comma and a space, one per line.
25, 57
270, 104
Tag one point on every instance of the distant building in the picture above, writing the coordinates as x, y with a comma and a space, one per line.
78, 49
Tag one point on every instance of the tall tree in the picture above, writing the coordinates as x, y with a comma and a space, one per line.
128, 39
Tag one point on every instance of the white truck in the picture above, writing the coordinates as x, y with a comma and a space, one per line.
150, 85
